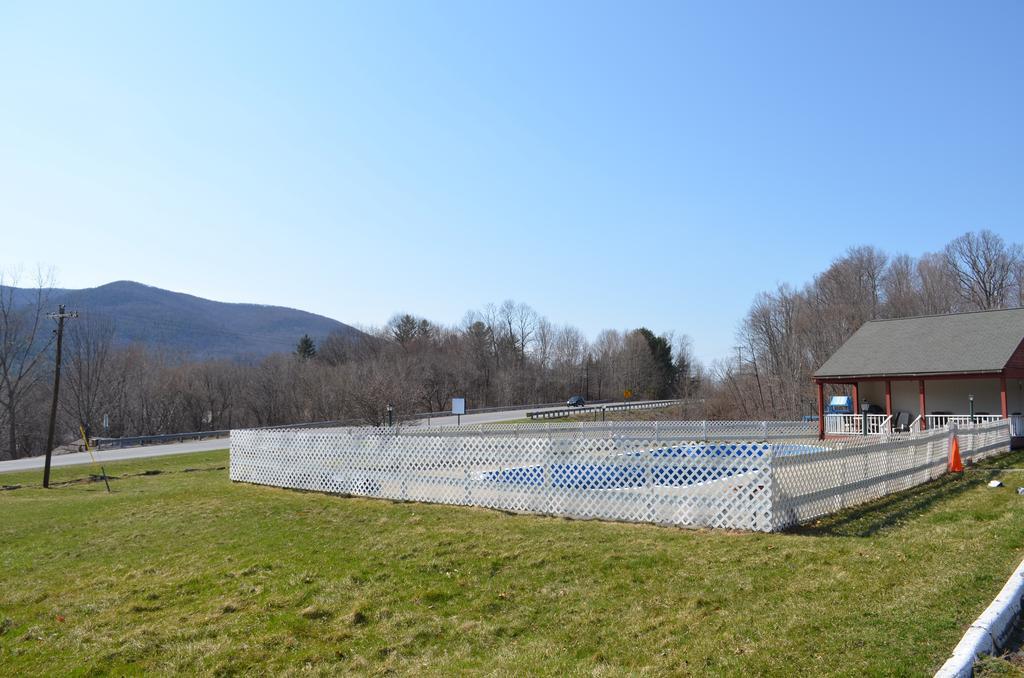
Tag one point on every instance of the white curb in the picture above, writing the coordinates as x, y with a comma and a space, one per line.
990, 631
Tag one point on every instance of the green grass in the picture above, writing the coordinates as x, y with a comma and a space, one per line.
186, 572
990, 667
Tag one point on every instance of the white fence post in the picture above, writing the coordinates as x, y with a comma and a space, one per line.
649, 483
953, 431
931, 459
548, 502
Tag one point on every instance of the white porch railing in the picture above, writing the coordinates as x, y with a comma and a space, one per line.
853, 424
944, 420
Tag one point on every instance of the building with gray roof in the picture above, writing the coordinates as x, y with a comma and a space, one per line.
928, 370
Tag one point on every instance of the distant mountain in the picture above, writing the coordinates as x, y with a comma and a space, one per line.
192, 326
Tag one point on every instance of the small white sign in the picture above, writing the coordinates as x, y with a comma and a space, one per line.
458, 405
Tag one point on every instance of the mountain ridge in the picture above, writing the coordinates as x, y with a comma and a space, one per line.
193, 326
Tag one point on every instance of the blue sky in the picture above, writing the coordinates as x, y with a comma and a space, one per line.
611, 164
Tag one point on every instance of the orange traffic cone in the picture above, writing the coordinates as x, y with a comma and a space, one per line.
955, 464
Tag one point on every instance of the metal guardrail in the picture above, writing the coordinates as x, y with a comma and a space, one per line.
418, 416
485, 410
569, 411
135, 441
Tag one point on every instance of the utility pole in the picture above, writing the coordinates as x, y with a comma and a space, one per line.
59, 316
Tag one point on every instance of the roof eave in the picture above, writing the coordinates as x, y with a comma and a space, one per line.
909, 375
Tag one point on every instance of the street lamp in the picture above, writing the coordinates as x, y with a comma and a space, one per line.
391, 411
970, 397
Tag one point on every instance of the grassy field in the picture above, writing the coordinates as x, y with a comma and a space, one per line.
183, 571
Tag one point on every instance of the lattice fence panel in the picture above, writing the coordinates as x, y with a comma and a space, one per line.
849, 472
844, 474
614, 477
676, 473
983, 440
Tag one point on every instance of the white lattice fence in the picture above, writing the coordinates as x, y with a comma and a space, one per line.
615, 478
845, 473
668, 475
983, 440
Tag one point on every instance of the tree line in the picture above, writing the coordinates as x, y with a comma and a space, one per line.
788, 333
504, 354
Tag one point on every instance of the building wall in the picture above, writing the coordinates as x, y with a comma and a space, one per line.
905, 397
1015, 395
872, 392
1016, 361
951, 395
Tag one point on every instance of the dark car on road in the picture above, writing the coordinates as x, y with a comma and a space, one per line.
575, 401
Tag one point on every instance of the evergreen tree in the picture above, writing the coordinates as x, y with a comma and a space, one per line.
305, 349
663, 364
404, 328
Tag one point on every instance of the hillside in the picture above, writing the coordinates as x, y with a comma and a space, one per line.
195, 327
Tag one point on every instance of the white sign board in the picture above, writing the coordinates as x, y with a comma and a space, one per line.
458, 405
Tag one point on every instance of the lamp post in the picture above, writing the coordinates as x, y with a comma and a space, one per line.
970, 397
391, 411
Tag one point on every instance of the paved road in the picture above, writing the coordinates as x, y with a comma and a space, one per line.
116, 455
222, 443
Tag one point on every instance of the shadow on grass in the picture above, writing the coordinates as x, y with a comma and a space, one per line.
892, 511
97, 478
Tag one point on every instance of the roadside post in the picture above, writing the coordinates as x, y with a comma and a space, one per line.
84, 430
458, 409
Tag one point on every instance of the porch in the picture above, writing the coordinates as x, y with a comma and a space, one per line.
915, 374
902, 404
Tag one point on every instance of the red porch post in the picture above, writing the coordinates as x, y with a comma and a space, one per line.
920, 397
888, 398
821, 410
1002, 394
856, 399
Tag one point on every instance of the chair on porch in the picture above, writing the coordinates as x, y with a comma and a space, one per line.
902, 422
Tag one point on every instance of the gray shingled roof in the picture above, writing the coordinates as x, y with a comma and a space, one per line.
937, 344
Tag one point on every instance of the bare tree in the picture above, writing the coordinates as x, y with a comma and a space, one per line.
938, 285
901, 288
87, 372
24, 345
607, 353
984, 267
